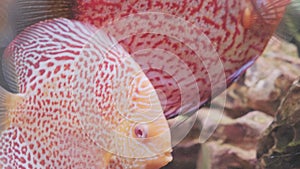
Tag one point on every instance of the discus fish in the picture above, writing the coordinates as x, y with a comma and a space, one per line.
190, 50
228, 34
79, 101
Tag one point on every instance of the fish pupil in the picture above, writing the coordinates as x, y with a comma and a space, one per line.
140, 132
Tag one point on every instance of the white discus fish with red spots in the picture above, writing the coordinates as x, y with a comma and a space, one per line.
78, 101
190, 50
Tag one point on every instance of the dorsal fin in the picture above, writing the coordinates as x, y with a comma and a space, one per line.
16, 15
33, 11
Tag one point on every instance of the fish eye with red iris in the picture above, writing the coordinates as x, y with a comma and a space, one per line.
141, 131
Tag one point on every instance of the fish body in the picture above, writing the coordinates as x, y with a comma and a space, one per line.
79, 101
190, 50
203, 45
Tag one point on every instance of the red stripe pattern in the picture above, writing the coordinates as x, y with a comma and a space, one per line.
175, 28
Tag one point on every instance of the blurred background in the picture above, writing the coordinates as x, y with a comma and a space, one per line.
251, 106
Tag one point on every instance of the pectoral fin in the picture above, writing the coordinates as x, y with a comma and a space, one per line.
8, 103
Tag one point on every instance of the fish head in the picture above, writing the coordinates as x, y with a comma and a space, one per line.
119, 108
143, 133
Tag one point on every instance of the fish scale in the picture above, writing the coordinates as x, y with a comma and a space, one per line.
222, 22
80, 98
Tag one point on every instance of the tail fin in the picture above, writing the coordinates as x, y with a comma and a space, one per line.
8, 102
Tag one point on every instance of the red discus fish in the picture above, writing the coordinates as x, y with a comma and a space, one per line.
190, 50
79, 101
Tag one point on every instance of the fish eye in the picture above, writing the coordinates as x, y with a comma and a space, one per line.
141, 131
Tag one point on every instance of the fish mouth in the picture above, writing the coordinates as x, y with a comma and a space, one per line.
159, 161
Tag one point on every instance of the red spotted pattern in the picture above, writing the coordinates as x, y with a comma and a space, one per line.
80, 87
45, 131
220, 20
